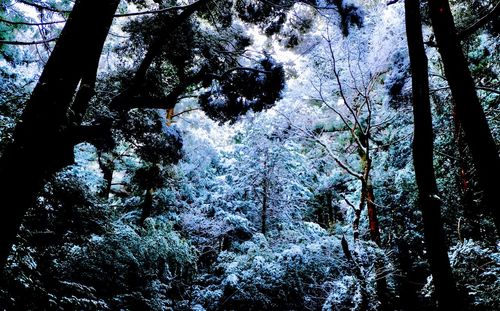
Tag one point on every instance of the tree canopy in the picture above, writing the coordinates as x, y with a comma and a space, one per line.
249, 155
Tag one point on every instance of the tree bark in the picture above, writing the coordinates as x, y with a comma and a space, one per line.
357, 273
264, 205
469, 111
368, 199
42, 142
107, 168
429, 202
329, 206
470, 208
147, 206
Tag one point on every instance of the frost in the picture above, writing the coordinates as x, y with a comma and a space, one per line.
231, 280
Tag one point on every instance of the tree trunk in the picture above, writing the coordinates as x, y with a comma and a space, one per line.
42, 142
357, 273
368, 198
329, 206
107, 168
382, 290
372, 213
357, 218
470, 208
147, 206
470, 113
264, 206
429, 202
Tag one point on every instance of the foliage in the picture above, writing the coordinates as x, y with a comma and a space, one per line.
227, 176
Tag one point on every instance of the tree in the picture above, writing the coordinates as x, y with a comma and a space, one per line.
45, 136
468, 107
66, 88
348, 135
429, 201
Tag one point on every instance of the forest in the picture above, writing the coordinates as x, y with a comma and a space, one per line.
249, 155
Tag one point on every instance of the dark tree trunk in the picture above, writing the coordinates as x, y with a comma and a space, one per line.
470, 208
42, 142
321, 213
107, 168
469, 111
147, 205
357, 218
429, 202
329, 206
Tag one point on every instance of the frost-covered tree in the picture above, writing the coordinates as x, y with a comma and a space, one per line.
231, 155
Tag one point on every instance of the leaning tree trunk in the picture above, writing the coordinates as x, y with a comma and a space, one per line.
470, 113
43, 143
429, 202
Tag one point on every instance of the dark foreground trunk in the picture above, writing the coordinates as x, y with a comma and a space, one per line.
43, 141
469, 111
429, 201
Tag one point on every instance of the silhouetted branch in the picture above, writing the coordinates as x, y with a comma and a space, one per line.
480, 22
27, 42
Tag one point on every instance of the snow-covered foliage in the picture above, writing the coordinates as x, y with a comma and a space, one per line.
235, 176
477, 269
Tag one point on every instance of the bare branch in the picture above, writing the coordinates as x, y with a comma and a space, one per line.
341, 89
480, 22
227, 72
185, 111
478, 87
42, 7
341, 116
310, 136
169, 9
27, 42
30, 23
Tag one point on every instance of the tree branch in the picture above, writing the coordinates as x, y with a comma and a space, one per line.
142, 102
185, 111
310, 136
227, 72
27, 42
157, 45
480, 22
169, 9
42, 7
29, 23
478, 87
